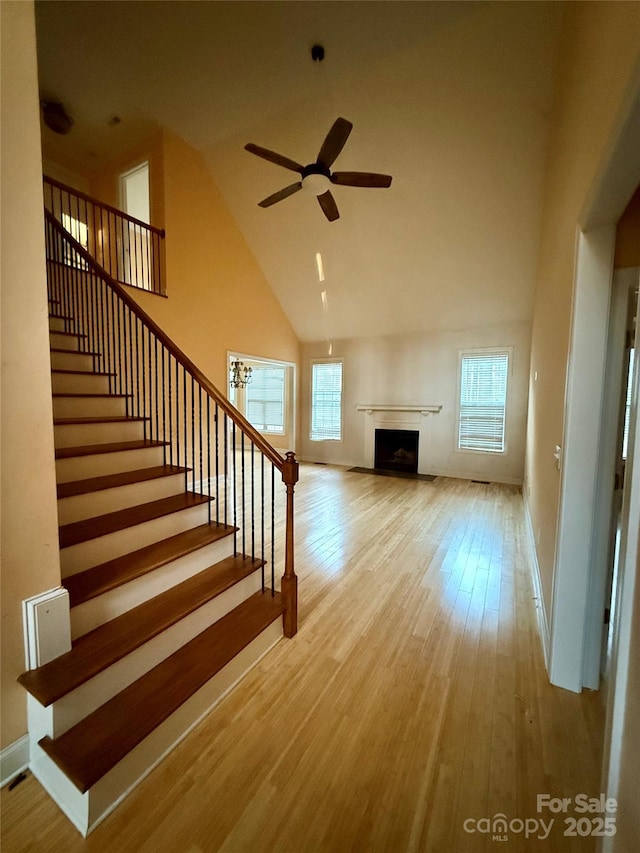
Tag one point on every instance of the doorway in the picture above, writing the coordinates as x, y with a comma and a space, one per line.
134, 192
614, 451
134, 248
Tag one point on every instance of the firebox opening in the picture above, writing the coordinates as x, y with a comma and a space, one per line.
396, 450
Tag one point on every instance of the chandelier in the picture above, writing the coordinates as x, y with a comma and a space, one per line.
240, 375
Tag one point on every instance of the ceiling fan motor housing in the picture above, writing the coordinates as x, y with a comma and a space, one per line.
316, 179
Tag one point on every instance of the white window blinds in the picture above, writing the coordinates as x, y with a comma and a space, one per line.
265, 399
483, 398
326, 400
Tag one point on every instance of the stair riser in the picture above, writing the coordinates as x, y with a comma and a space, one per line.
89, 407
77, 383
87, 810
60, 341
57, 324
77, 558
85, 699
93, 504
89, 615
99, 464
77, 435
71, 361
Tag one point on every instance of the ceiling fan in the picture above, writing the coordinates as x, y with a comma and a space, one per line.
316, 178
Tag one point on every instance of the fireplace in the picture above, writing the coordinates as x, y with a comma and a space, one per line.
396, 450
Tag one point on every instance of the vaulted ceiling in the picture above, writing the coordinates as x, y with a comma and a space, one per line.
450, 98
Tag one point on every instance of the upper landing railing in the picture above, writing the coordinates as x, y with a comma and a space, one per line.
129, 250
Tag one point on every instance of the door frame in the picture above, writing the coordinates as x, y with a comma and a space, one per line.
575, 578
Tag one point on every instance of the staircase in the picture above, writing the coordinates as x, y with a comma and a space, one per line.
167, 529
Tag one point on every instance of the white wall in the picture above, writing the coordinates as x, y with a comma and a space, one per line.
30, 555
421, 369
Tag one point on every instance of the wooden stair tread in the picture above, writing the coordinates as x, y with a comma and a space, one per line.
81, 372
97, 580
89, 395
72, 352
111, 522
100, 648
68, 334
110, 447
102, 419
86, 752
112, 481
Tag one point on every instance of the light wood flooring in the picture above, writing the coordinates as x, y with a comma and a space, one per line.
413, 698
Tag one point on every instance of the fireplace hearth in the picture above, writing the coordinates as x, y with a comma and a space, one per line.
396, 450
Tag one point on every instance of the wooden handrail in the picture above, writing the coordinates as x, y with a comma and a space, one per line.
73, 191
258, 439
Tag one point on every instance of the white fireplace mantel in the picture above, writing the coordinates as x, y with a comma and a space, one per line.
388, 416
424, 410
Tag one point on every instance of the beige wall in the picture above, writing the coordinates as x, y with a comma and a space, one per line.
421, 369
30, 561
599, 50
218, 299
65, 176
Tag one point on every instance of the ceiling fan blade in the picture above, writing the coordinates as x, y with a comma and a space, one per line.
278, 159
334, 142
328, 205
280, 195
361, 179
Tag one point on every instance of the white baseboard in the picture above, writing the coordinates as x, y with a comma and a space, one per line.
543, 623
14, 759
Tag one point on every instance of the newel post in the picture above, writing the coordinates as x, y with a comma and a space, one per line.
289, 582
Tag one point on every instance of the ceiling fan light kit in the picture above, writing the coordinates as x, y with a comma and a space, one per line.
316, 178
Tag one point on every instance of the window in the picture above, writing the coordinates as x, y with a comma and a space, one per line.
483, 398
326, 400
267, 402
79, 232
265, 398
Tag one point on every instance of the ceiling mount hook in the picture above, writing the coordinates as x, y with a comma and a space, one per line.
317, 53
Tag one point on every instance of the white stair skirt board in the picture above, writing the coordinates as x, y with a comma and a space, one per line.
71, 361
91, 504
61, 341
87, 810
79, 383
89, 407
93, 693
98, 464
46, 626
543, 624
103, 432
14, 759
93, 552
89, 615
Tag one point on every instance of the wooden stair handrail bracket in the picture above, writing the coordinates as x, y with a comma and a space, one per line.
289, 582
191, 435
